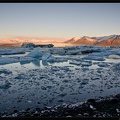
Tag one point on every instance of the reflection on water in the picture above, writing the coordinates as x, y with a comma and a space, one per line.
42, 64
50, 87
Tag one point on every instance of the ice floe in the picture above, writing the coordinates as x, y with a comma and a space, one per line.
75, 62
114, 57
103, 64
8, 60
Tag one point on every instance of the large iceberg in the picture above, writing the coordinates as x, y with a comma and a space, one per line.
51, 59
28, 45
46, 56
35, 53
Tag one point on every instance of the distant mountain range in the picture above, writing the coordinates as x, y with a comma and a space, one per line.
112, 40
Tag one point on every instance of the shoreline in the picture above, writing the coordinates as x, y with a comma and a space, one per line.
106, 107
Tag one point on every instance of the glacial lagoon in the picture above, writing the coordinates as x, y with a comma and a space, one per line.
68, 77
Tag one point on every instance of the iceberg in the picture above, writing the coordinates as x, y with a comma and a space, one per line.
44, 62
28, 45
35, 53
114, 57
102, 64
51, 59
46, 56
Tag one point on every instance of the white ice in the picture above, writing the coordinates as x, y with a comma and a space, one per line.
114, 57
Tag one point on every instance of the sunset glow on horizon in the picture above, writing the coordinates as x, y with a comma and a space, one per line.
58, 21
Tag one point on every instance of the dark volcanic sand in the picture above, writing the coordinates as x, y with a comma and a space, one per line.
103, 107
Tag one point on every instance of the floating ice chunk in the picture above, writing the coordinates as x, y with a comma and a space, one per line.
26, 59
43, 88
51, 59
91, 106
11, 51
22, 76
84, 81
6, 85
75, 105
29, 101
63, 94
46, 56
60, 100
64, 68
44, 62
116, 67
49, 87
5, 71
102, 64
118, 53
65, 81
73, 52
54, 68
60, 59
85, 69
98, 58
59, 74
57, 59
86, 63
91, 57
68, 116
114, 57
59, 51
8, 60
35, 53
15, 115
74, 63
61, 88
118, 111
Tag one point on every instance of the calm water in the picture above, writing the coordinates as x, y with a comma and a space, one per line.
40, 86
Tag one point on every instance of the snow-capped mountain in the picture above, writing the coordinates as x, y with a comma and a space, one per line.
107, 37
85, 40
74, 39
111, 40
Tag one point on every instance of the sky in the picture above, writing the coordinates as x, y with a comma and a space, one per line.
59, 20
